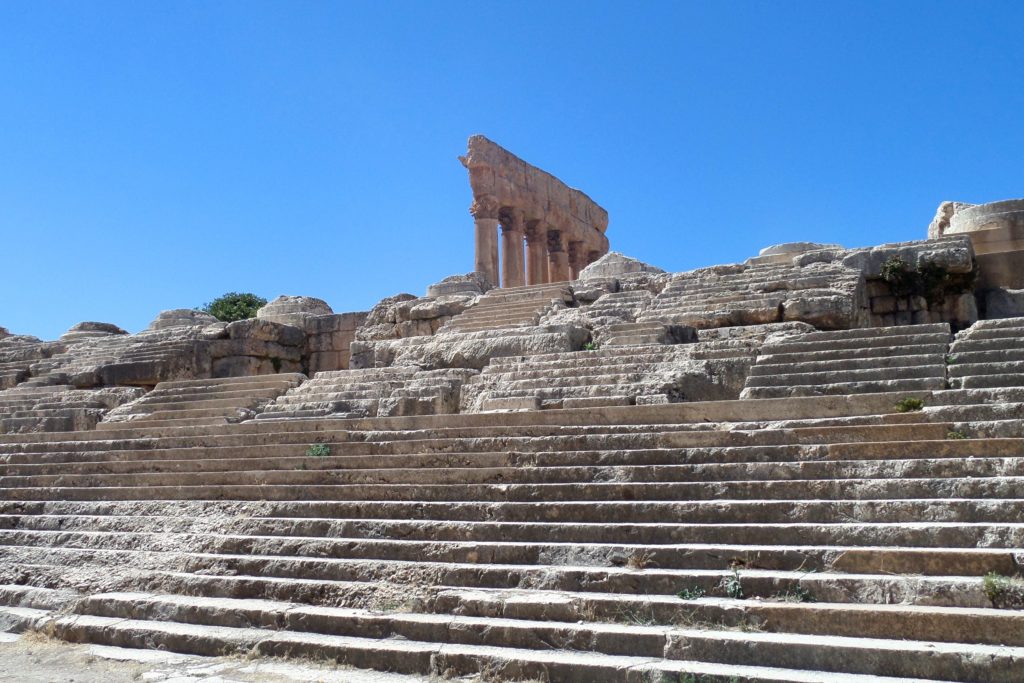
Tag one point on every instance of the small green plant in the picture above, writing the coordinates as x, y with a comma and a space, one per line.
234, 306
640, 560
909, 405
794, 594
590, 346
733, 585
930, 281
1005, 592
318, 450
950, 360
954, 434
700, 678
692, 593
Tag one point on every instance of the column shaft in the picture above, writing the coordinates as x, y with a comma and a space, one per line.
537, 260
513, 273
558, 258
487, 248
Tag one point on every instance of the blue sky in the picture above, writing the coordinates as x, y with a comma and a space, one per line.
154, 155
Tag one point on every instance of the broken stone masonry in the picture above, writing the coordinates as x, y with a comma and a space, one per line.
565, 465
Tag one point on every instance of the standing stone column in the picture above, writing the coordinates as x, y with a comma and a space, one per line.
558, 259
485, 219
513, 272
537, 254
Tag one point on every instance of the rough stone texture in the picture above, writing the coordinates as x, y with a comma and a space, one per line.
1004, 303
382, 320
4, 332
613, 264
473, 284
181, 317
943, 216
784, 253
88, 330
290, 310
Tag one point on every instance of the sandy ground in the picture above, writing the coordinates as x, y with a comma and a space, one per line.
33, 659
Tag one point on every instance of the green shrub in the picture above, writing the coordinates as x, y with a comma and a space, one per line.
590, 346
318, 450
930, 281
794, 594
733, 586
234, 306
909, 405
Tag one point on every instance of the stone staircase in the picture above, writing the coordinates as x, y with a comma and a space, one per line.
58, 408
388, 391
202, 401
800, 539
614, 376
988, 355
619, 307
908, 359
17, 355
509, 308
823, 294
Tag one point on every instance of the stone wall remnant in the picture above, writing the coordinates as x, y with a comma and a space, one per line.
562, 227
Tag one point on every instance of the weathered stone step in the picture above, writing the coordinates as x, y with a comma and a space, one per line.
852, 489
540, 439
324, 470
794, 345
997, 356
596, 367
785, 569
910, 386
766, 365
726, 511
886, 374
1009, 332
922, 536
406, 656
988, 381
875, 332
287, 377
859, 655
964, 369
975, 345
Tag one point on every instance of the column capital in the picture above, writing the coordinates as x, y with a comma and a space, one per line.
485, 206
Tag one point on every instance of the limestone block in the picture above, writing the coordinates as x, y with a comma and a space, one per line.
245, 366
181, 317
90, 330
223, 348
473, 284
4, 332
323, 361
614, 264
290, 310
824, 312
943, 215
1004, 303
445, 306
265, 330
883, 304
380, 321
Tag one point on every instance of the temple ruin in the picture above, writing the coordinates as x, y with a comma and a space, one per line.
805, 466
563, 228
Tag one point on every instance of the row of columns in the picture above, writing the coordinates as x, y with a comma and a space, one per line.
548, 258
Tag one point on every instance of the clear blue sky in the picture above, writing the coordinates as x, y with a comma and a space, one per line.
154, 155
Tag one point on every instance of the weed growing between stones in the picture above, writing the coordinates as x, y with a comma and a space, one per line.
692, 593
733, 585
930, 281
954, 434
318, 450
950, 360
698, 678
590, 346
909, 405
1006, 592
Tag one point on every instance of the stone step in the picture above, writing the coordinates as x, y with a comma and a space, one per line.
697, 512
334, 470
854, 489
768, 355
975, 345
761, 369
871, 374
407, 656
326, 470
988, 545
909, 386
876, 332
524, 636
292, 377
988, 381
972, 335
1012, 355
907, 340
963, 369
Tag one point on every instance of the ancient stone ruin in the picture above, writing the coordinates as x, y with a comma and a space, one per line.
803, 467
